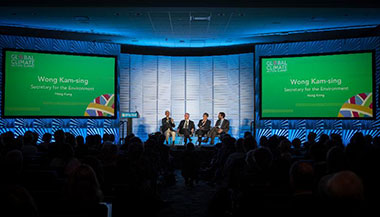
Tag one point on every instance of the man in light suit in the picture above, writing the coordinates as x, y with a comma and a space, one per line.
167, 127
186, 127
221, 126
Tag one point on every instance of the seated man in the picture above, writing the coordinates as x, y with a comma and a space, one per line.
204, 126
222, 126
186, 127
167, 127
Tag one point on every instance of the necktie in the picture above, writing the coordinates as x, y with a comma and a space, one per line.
186, 124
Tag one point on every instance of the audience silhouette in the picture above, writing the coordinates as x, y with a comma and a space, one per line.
66, 175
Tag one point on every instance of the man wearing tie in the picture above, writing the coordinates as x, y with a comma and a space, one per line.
186, 127
222, 126
167, 127
204, 126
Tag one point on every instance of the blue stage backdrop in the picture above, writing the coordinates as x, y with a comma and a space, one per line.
300, 128
75, 126
153, 84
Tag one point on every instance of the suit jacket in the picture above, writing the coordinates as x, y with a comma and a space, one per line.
167, 124
225, 125
205, 127
182, 124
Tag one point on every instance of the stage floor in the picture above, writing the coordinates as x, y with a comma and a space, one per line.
182, 146
180, 142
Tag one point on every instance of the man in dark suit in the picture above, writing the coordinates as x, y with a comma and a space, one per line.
222, 126
204, 126
167, 127
186, 127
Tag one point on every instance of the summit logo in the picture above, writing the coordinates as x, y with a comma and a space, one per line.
22, 60
276, 66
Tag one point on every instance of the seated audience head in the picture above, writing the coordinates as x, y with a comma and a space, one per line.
247, 134
161, 139
83, 186
190, 146
105, 137
311, 137
358, 137
96, 165
281, 138
70, 139
336, 159
336, 138
97, 139
221, 115
111, 138
79, 140
323, 139
228, 141
301, 176
135, 149
285, 146
239, 145
263, 141
273, 142
296, 143
249, 143
14, 162
66, 152
28, 138
262, 159
59, 136
345, 186
7, 140
35, 138
46, 138
17, 201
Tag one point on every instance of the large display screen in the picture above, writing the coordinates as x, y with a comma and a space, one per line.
46, 84
323, 86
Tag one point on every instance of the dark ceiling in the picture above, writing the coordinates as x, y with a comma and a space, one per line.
190, 23
193, 3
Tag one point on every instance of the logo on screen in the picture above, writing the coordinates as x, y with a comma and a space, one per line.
22, 60
276, 66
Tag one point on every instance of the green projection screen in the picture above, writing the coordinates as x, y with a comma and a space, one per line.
323, 86
47, 84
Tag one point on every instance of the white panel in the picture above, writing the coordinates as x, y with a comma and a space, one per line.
124, 82
221, 86
192, 87
233, 94
149, 89
178, 88
137, 94
246, 92
164, 87
205, 86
